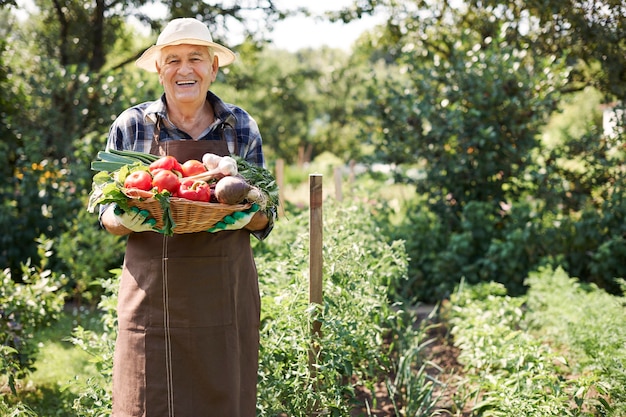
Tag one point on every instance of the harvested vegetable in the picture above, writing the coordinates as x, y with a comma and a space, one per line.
139, 179
167, 163
166, 180
235, 190
211, 161
192, 167
112, 160
263, 180
226, 167
137, 193
114, 167
194, 190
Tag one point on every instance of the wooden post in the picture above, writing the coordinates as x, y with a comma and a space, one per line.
315, 259
338, 184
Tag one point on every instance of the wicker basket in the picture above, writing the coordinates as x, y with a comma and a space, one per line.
195, 216
188, 216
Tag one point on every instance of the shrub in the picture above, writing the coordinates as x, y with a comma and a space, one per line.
26, 308
87, 253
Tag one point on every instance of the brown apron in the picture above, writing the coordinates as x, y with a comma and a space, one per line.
188, 313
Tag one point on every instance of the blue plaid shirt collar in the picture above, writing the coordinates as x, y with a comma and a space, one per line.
158, 108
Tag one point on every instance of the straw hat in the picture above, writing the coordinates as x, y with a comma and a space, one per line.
183, 31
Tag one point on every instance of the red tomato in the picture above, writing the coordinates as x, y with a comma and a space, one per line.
139, 179
193, 167
168, 163
194, 190
166, 180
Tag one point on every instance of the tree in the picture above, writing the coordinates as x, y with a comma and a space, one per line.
467, 104
592, 33
301, 100
465, 93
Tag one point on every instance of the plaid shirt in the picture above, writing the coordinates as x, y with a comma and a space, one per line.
134, 128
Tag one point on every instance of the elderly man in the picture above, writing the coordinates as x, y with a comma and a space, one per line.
188, 304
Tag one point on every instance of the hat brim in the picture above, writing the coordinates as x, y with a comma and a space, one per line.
148, 59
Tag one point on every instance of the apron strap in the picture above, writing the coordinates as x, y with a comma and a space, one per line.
226, 130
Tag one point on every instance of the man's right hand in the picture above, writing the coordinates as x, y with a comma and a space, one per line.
135, 220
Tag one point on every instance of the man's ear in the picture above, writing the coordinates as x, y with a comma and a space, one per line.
158, 68
215, 67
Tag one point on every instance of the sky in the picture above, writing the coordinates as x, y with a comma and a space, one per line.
299, 32
302, 32
295, 32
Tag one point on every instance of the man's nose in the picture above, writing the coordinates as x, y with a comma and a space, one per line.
185, 68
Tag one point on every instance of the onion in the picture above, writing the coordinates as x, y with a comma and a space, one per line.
226, 167
210, 160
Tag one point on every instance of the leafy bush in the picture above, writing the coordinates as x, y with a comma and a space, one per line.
95, 397
558, 350
18, 410
86, 254
356, 317
504, 243
26, 308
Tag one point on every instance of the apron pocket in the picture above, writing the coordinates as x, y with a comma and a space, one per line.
197, 292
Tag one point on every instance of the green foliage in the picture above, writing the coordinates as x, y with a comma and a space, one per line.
469, 106
511, 372
76, 249
505, 246
18, 410
27, 308
594, 37
468, 103
355, 318
34, 202
578, 318
94, 398
11, 100
302, 104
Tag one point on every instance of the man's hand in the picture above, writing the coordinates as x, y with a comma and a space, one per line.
235, 221
134, 219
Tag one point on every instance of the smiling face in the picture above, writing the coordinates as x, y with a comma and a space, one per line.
186, 72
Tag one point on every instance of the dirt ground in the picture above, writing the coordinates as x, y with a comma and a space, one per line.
441, 356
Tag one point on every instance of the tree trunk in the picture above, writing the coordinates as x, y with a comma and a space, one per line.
97, 40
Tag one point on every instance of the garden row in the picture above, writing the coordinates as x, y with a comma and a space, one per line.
560, 350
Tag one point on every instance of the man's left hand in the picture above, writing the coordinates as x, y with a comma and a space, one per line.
235, 221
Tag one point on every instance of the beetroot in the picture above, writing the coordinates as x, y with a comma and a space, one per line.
232, 190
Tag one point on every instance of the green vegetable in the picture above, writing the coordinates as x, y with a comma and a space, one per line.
113, 167
147, 158
112, 160
168, 221
260, 178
